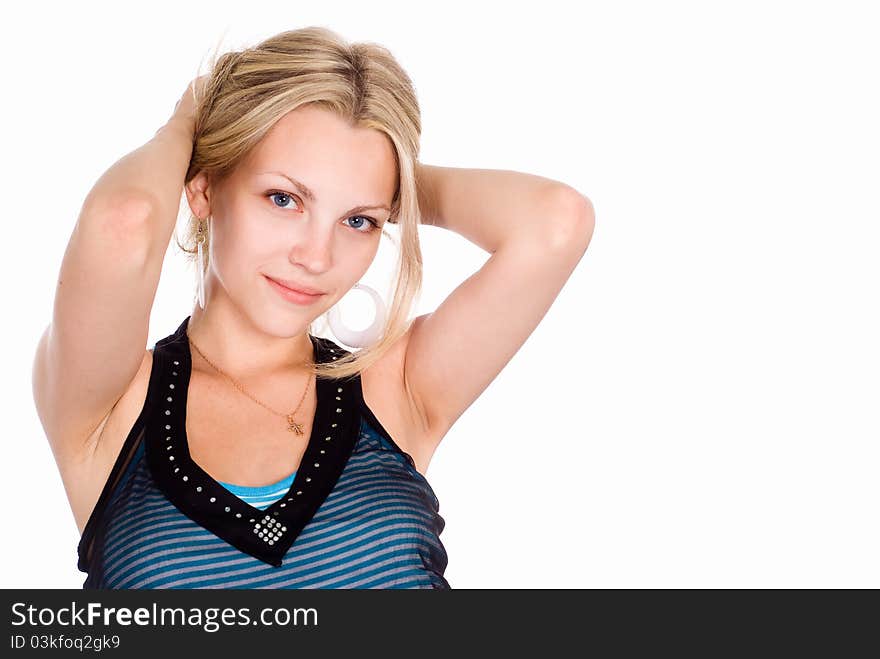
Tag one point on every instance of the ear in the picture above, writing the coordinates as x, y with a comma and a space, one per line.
198, 194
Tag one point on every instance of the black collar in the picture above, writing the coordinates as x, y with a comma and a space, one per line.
264, 534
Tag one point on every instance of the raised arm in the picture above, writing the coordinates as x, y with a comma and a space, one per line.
536, 231
96, 340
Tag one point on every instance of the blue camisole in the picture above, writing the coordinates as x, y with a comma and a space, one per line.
261, 496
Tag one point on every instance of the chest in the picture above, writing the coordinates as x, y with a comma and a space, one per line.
238, 440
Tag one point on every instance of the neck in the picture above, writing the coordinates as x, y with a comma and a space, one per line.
234, 343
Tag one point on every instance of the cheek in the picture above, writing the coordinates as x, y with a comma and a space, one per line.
233, 253
359, 259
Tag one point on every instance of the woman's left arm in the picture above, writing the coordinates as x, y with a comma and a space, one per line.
536, 230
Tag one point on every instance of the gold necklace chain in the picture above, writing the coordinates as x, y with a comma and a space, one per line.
292, 425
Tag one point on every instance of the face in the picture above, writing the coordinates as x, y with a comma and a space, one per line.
320, 232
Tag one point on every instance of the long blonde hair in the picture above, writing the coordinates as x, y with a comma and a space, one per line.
249, 90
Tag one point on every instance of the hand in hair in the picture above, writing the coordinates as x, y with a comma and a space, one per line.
185, 108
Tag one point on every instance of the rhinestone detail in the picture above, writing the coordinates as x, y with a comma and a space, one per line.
269, 529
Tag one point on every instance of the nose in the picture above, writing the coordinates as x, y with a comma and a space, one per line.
313, 246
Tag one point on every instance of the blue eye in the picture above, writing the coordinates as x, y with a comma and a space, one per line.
279, 194
369, 222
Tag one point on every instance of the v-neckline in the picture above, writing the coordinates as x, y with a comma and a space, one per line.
268, 533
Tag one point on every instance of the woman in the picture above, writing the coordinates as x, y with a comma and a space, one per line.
293, 155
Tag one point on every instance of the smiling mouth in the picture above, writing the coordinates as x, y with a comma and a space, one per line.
299, 289
293, 295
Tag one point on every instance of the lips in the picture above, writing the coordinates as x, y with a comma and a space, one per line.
295, 287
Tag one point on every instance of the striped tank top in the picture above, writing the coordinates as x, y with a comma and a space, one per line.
355, 514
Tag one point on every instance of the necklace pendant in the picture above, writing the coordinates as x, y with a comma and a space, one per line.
293, 426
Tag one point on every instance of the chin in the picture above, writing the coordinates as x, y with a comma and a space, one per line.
274, 322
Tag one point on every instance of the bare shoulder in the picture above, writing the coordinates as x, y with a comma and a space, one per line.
85, 475
388, 397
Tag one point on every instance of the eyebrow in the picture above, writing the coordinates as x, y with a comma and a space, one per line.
308, 194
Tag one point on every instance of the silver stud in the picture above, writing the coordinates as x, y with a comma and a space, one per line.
238, 514
226, 509
338, 410
168, 448
176, 469
213, 499
174, 372
271, 542
199, 488
322, 450
334, 357
186, 478
309, 479
333, 425
339, 389
168, 439
299, 492
317, 464
252, 519
167, 411
169, 399
171, 386
283, 528
167, 427
170, 457
337, 398
283, 504
176, 363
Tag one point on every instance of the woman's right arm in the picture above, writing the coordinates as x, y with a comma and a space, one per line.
95, 344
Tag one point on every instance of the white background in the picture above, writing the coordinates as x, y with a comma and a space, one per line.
699, 407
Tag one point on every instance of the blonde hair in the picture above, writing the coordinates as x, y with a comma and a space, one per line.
249, 90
